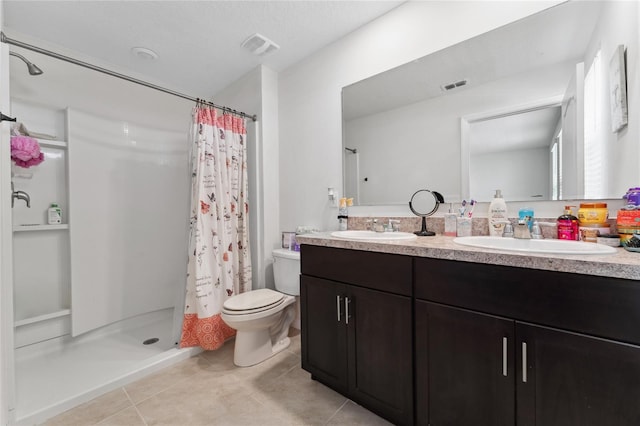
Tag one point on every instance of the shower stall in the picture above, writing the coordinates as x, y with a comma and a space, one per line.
97, 301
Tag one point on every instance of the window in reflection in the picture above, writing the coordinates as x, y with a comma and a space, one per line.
595, 175
556, 174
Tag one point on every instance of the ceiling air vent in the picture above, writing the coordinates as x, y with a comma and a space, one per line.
260, 45
451, 86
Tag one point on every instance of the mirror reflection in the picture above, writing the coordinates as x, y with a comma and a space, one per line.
505, 151
525, 108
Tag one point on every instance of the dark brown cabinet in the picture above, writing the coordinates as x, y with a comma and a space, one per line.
480, 361
464, 367
324, 331
574, 379
445, 343
356, 337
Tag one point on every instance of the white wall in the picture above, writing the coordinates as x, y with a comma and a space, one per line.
128, 219
7, 377
309, 93
522, 174
257, 93
623, 147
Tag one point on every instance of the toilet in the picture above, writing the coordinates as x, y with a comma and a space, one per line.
262, 317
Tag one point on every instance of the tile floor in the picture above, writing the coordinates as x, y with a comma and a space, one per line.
209, 390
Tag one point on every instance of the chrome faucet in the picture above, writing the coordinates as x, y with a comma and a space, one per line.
392, 226
20, 195
536, 229
521, 230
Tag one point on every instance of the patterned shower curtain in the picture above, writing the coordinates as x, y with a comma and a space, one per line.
219, 261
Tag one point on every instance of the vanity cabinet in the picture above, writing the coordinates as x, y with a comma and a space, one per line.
356, 314
573, 379
464, 367
498, 346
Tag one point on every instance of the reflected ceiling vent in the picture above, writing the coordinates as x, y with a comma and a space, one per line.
259, 45
451, 86
144, 53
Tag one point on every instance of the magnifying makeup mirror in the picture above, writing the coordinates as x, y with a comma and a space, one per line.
424, 203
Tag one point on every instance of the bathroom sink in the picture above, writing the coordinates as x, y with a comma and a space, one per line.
377, 236
535, 246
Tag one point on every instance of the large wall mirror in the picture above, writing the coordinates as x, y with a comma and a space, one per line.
524, 108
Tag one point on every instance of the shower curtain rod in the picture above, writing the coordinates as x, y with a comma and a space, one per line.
7, 40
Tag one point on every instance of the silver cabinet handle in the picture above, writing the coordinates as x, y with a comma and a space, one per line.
346, 310
504, 356
524, 362
338, 306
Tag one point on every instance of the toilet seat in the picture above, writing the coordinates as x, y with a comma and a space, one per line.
253, 302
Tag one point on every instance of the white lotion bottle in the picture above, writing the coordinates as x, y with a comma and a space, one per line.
54, 214
497, 215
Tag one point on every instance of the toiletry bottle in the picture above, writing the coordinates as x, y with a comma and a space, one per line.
450, 222
342, 215
497, 214
568, 226
54, 214
342, 207
345, 216
464, 226
526, 215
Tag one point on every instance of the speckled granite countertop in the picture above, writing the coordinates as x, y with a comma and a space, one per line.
622, 264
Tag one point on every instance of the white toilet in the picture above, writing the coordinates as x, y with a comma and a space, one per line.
262, 317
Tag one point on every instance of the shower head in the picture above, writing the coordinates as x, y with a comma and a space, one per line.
33, 69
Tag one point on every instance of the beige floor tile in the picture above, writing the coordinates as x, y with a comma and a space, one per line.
246, 411
299, 398
93, 411
353, 414
161, 380
294, 347
195, 401
222, 358
267, 371
127, 417
210, 390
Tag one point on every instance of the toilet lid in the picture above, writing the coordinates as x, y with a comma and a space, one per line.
252, 300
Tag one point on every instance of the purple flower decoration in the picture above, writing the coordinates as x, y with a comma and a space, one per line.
25, 151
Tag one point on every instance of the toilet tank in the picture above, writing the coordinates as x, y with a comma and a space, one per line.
286, 271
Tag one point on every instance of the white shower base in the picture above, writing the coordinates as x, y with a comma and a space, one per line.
56, 375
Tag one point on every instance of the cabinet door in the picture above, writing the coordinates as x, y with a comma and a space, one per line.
380, 353
324, 334
465, 374
571, 379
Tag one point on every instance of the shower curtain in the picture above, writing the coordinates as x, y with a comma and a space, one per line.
219, 264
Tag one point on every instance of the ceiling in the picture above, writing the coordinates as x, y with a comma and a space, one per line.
527, 130
198, 42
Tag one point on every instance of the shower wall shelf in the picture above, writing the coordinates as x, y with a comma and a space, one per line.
42, 294
28, 228
40, 318
47, 143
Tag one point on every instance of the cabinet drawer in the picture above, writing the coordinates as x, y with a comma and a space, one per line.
378, 271
605, 307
